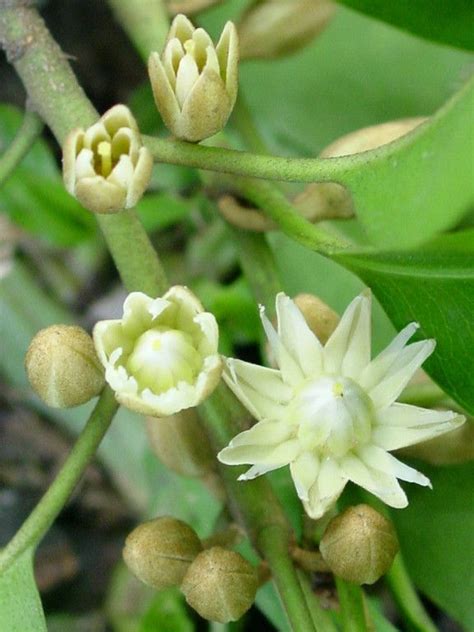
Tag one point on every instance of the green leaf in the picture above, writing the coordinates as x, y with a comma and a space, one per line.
160, 210
436, 289
435, 532
20, 604
167, 613
445, 22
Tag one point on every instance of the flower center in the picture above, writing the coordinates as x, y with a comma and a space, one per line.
333, 414
162, 358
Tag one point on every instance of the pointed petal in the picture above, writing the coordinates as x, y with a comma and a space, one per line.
383, 485
379, 366
257, 470
379, 459
228, 53
290, 370
304, 471
395, 437
186, 77
347, 351
163, 92
264, 433
181, 27
326, 490
400, 373
297, 337
277, 455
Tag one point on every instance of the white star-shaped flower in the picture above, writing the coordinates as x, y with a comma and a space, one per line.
330, 412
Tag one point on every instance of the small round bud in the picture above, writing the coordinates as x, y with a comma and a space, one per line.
359, 545
220, 585
180, 443
321, 319
160, 551
63, 367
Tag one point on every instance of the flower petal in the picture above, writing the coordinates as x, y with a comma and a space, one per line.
290, 370
297, 337
259, 454
379, 459
347, 352
400, 373
304, 471
326, 490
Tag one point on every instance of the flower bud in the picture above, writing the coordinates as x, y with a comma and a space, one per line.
359, 545
180, 443
62, 366
220, 585
161, 356
324, 200
160, 551
189, 6
322, 320
106, 167
279, 27
194, 82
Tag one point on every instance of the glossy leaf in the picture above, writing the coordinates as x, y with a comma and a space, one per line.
436, 289
435, 532
445, 22
20, 604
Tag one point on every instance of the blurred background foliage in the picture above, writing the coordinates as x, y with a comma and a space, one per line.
358, 72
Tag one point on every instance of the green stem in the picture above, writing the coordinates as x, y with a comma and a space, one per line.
243, 122
41, 518
275, 205
407, 598
27, 134
321, 618
351, 599
255, 505
145, 22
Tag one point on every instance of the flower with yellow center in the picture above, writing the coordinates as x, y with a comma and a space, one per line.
106, 167
161, 357
194, 82
330, 412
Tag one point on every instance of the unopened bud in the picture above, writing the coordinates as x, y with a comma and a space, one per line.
278, 27
359, 545
245, 217
194, 82
321, 319
63, 367
324, 200
220, 585
160, 551
180, 443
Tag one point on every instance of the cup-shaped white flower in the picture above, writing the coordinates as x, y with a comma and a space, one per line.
161, 356
194, 82
106, 167
330, 412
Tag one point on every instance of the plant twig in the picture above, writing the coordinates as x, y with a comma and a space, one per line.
46, 511
29, 131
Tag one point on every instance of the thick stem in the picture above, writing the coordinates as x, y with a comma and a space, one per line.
321, 618
44, 514
351, 599
27, 134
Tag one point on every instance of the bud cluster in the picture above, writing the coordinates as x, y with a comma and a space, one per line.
219, 584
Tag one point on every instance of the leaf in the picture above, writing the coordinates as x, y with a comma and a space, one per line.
445, 22
435, 532
167, 613
436, 289
20, 604
160, 210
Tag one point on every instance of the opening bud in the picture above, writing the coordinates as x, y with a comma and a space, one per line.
180, 443
63, 367
278, 27
106, 167
359, 545
160, 551
195, 82
220, 585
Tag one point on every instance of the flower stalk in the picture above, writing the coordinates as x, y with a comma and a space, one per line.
29, 131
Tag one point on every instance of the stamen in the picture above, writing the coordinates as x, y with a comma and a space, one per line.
104, 150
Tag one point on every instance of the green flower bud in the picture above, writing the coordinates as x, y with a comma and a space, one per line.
180, 443
359, 545
62, 366
279, 27
106, 167
220, 585
160, 551
194, 82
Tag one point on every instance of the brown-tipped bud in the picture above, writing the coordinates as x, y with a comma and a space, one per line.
280, 27
359, 545
370, 137
62, 366
160, 551
220, 585
180, 443
322, 320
